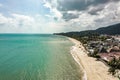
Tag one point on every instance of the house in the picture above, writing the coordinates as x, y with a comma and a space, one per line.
109, 56
115, 49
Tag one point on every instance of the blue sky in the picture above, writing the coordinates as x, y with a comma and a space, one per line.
28, 7
49, 16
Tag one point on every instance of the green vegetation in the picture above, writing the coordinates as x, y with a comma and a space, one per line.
114, 66
83, 36
110, 30
98, 35
95, 54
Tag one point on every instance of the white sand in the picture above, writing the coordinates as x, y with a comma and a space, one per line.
93, 70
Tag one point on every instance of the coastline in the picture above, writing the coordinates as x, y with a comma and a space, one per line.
92, 69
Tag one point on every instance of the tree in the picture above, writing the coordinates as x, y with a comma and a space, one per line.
114, 66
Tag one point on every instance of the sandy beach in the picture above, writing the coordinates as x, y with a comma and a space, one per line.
93, 70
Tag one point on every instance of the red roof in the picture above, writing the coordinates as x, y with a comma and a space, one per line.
109, 56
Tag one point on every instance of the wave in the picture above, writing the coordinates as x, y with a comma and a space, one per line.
74, 54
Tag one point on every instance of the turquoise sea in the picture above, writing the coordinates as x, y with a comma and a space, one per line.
37, 57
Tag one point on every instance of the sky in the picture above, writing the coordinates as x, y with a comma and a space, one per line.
54, 16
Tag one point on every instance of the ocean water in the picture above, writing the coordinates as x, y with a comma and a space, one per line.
37, 57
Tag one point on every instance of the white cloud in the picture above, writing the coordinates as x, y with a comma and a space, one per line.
1, 5
3, 19
53, 9
16, 23
68, 19
107, 16
92, 17
28, 24
23, 20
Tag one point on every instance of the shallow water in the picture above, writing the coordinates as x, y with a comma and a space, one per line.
36, 57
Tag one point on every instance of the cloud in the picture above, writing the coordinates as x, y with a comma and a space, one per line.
23, 20
19, 23
93, 10
16, 20
86, 14
68, 16
61, 16
16, 23
1, 5
55, 13
65, 5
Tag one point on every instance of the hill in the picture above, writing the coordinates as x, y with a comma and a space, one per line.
110, 30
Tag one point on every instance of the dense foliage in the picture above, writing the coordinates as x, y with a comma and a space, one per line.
83, 36
114, 66
110, 30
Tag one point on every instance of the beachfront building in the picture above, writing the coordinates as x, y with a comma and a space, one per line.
107, 50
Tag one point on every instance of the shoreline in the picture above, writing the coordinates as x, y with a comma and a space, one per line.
92, 69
